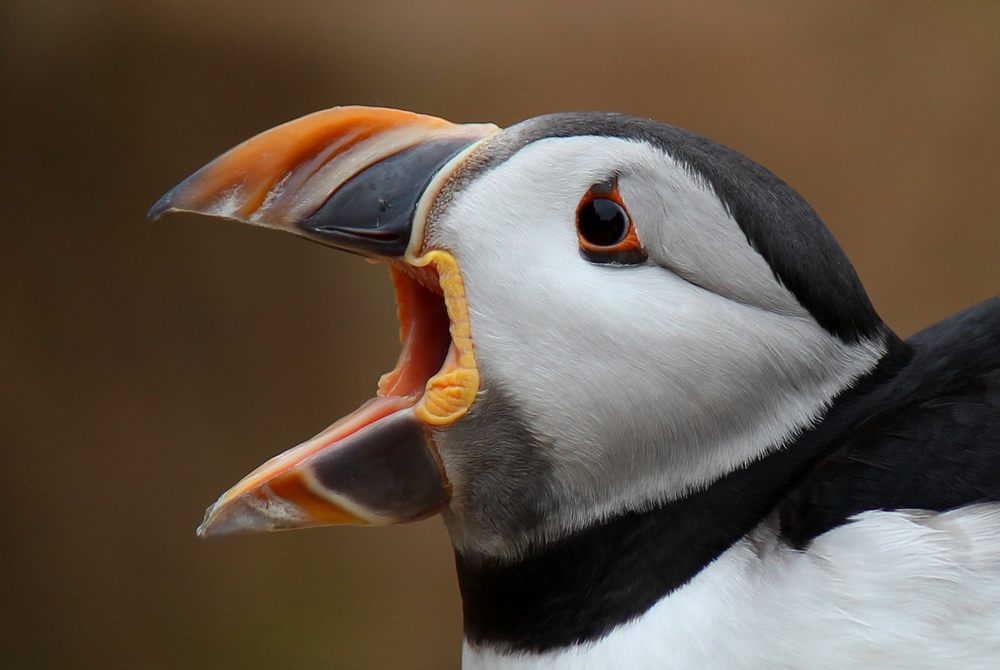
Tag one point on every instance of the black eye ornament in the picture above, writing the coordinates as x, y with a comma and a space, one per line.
605, 229
603, 222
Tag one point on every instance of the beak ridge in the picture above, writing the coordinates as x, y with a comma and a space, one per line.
348, 177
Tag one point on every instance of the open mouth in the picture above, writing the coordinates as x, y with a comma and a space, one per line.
436, 366
376, 465
361, 180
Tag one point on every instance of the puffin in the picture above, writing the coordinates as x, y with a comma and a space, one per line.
646, 390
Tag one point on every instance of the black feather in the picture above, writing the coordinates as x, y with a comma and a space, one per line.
937, 449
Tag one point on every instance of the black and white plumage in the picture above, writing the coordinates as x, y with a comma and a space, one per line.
709, 452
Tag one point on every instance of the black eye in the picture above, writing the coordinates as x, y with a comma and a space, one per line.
603, 222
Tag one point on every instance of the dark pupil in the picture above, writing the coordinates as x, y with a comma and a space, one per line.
603, 222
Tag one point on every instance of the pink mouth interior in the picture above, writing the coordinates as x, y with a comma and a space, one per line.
427, 346
424, 331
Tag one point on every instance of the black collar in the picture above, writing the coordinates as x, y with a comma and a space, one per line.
581, 587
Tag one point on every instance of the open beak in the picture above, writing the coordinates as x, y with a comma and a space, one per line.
362, 180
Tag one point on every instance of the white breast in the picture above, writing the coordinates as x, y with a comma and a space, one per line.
910, 590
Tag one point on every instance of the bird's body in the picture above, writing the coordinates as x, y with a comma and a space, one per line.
904, 590
643, 384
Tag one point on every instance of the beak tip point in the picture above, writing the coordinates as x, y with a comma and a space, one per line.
159, 208
218, 522
205, 528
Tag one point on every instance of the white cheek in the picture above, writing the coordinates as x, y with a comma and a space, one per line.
643, 384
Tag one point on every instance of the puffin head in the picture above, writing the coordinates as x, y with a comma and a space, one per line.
599, 314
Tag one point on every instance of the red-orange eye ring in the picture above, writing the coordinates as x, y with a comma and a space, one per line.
604, 228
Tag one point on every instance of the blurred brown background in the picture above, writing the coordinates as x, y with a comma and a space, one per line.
144, 367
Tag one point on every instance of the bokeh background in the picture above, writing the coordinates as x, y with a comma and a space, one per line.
144, 367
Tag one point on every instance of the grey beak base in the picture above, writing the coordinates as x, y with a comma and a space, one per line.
387, 468
372, 213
